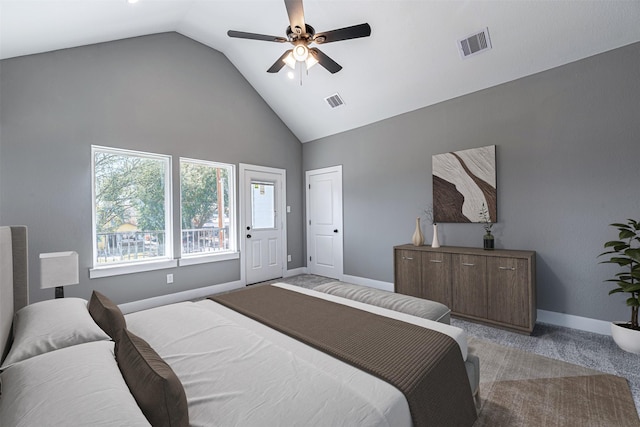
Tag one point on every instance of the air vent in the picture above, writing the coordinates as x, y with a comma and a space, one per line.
334, 101
474, 44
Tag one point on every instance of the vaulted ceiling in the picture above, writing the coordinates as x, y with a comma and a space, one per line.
411, 60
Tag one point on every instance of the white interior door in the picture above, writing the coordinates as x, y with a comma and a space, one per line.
263, 223
324, 222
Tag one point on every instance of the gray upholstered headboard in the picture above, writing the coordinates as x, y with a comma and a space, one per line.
14, 283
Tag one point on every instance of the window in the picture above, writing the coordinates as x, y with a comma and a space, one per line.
131, 211
263, 205
207, 211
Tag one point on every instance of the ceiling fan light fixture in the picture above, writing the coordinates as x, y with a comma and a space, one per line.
290, 61
310, 61
300, 52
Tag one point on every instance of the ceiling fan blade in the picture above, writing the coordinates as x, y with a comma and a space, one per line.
277, 66
328, 63
353, 32
253, 36
296, 15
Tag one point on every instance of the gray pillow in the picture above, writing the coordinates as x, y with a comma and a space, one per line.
152, 382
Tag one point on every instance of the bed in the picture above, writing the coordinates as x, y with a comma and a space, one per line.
211, 363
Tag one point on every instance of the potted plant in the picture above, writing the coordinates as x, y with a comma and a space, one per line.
625, 252
488, 240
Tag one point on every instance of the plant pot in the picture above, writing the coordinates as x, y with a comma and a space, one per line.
488, 241
627, 339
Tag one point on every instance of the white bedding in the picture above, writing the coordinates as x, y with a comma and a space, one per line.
236, 371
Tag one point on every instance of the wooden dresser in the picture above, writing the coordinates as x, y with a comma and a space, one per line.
496, 287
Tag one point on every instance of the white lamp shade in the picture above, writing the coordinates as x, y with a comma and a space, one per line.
58, 269
290, 61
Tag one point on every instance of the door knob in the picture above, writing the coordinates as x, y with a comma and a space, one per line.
248, 236
335, 231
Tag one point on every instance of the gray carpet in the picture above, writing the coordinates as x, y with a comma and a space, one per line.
593, 351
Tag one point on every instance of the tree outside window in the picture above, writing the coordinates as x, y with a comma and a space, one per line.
132, 218
206, 203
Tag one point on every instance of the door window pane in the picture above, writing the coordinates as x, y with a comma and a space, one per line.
263, 213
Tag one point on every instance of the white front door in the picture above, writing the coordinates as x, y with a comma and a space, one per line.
324, 222
263, 223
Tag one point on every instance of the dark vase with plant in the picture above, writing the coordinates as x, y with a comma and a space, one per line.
487, 240
625, 252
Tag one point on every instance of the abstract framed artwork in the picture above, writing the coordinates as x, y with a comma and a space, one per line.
462, 182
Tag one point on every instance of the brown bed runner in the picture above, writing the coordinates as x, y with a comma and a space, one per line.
425, 365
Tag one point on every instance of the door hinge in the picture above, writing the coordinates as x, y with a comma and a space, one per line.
309, 259
309, 186
309, 222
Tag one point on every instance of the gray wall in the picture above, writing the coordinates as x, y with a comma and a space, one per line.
162, 93
568, 145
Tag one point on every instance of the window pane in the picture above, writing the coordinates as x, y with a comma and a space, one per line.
206, 207
131, 214
263, 205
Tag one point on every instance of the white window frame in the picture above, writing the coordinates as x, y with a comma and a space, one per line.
166, 261
232, 252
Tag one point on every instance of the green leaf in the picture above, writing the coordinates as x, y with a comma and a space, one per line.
615, 291
614, 243
619, 225
633, 302
633, 253
620, 261
626, 234
632, 288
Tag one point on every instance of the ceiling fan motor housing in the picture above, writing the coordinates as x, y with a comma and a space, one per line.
299, 35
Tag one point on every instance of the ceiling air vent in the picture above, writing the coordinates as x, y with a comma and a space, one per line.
334, 101
475, 43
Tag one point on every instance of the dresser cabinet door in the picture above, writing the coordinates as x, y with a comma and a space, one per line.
469, 285
407, 272
436, 277
508, 291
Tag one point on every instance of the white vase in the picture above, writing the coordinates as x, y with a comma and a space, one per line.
418, 237
627, 339
435, 243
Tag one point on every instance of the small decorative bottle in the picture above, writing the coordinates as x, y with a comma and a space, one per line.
418, 238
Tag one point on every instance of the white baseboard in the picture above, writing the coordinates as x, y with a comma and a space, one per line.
191, 294
295, 272
575, 322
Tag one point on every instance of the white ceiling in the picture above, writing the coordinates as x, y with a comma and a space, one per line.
409, 62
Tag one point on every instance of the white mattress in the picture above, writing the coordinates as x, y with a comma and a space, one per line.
237, 371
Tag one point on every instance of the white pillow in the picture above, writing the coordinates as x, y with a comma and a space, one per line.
74, 386
50, 325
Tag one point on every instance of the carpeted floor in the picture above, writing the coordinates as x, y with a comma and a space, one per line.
518, 386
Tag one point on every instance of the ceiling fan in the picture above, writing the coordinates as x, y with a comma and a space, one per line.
301, 35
